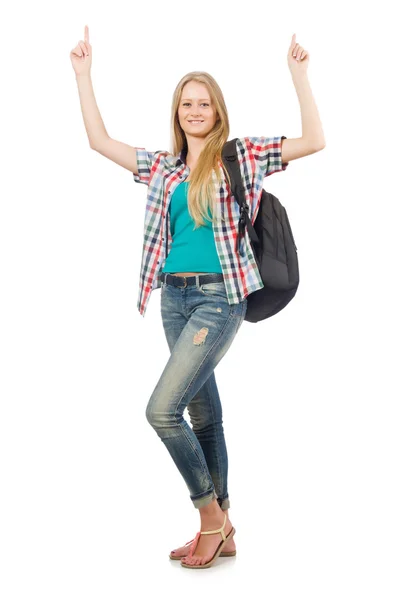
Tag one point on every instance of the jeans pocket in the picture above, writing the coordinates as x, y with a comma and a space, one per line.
214, 288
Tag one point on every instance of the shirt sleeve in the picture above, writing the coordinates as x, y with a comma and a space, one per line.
145, 160
267, 153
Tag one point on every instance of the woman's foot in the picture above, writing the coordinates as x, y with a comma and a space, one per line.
230, 545
212, 517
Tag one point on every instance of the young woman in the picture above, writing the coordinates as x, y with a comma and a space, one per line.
190, 252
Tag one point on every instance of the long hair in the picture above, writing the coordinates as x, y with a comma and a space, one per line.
201, 192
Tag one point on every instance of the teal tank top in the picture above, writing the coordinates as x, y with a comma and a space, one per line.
191, 250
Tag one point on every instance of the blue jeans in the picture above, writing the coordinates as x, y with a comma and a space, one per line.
200, 326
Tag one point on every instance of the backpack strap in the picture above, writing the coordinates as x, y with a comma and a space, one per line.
230, 160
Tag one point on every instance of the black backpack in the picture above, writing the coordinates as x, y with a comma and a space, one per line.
272, 243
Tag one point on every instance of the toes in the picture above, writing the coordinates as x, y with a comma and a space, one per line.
195, 560
179, 552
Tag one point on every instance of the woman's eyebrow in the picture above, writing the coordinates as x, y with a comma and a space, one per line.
207, 99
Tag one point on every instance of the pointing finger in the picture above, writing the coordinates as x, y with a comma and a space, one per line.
86, 34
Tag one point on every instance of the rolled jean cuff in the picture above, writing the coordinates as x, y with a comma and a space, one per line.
224, 504
205, 499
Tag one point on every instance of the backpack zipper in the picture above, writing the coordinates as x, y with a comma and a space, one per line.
289, 228
275, 232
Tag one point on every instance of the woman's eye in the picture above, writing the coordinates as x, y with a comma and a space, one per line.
185, 103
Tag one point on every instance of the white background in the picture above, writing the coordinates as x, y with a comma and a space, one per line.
91, 502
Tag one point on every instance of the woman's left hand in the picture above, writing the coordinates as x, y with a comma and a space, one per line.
298, 58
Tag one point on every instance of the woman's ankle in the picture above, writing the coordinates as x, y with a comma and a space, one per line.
211, 512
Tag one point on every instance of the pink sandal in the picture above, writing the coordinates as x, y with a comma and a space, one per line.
174, 556
218, 551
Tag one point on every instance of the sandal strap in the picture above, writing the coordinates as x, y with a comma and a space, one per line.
194, 545
220, 530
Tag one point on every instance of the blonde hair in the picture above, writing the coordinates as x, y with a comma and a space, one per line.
201, 192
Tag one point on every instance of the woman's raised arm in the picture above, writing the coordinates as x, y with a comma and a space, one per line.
99, 140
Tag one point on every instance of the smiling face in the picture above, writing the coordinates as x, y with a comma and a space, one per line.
195, 104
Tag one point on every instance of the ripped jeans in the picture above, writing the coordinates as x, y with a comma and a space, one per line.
199, 326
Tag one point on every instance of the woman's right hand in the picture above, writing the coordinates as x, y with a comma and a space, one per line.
81, 55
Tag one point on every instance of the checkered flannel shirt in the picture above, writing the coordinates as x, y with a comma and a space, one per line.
162, 172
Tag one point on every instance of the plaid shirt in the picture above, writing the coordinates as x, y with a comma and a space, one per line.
162, 172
